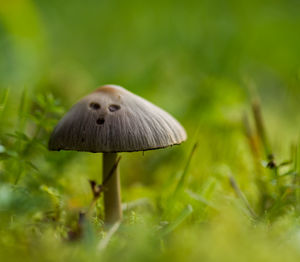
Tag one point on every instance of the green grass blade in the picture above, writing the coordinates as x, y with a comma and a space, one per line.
183, 177
188, 210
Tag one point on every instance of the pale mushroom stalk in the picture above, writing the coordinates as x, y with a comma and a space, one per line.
112, 190
112, 120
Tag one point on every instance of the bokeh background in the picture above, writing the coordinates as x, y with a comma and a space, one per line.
191, 58
202, 61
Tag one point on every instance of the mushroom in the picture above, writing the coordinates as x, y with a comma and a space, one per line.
112, 120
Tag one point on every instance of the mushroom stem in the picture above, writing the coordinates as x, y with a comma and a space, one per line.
112, 192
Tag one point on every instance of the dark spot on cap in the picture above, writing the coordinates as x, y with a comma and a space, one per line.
100, 121
113, 108
94, 106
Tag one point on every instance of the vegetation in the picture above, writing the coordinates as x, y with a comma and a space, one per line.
229, 71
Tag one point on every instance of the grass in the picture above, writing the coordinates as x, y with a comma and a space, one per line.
228, 72
186, 216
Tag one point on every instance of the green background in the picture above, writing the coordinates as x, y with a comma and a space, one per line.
202, 61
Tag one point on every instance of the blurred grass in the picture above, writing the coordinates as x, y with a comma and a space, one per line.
209, 63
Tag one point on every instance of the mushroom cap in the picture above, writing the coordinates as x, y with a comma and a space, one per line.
112, 119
